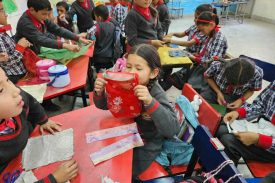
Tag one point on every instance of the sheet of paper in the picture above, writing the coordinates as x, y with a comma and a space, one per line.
26, 177
116, 148
111, 132
238, 126
37, 91
46, 149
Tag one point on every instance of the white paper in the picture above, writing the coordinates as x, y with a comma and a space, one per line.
37, 91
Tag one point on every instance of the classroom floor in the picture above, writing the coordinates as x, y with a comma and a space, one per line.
252, 38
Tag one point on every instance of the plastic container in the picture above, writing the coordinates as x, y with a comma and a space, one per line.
59, 76
42, 67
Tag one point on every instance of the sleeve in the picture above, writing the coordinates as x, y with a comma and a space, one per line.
188, 31
256, 83
199, 38
91, 33
36, 113
131, 30
15, 55
70, 14
163, 115
100, 101
160, 31
267, 142
49, 179
212, 70
164, 18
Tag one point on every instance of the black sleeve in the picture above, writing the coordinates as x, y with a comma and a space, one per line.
164, 18
160, 31
70, 14
50, 179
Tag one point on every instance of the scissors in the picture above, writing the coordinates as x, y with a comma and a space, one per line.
11, 177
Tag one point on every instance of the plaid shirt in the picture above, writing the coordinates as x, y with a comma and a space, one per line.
216, 72
193, 33
216, 46
119, 14
14, 66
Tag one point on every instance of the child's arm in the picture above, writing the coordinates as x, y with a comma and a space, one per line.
239, 102
99, 96
164, 18
177, 34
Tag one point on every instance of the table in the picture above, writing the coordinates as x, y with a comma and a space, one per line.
78, 70
82, 121
172, 62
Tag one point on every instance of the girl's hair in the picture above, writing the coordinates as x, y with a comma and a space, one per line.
206, 17
205, 7
63, 4
239, 71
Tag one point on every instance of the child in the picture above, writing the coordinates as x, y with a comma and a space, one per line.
104, 33
195, 38
164, 17
142, 25
19, 114
232, 83
62, 9
11, 54
83, 9
120, 13
249, 145
34, 23
158, 120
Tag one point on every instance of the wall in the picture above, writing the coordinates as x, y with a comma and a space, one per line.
264, 10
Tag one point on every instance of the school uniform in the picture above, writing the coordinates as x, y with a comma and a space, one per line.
142, 26
14, 67
119, 14
67, 25
231, 93
84, 12
156, 122
264, 150
14, 132
164, 17
37, 32
104, 45
193, 33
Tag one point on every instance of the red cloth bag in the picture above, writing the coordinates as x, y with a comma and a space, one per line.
29, 61
121, 99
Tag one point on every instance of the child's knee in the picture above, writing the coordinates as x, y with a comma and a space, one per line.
228, 140
222, 130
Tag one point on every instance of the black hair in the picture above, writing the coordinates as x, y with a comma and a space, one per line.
239, 71
63, 4
102, 11
208, 16
38, 5
204, 7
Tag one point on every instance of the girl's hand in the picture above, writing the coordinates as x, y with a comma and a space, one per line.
71, 47
100, 86
157, 43
66, 171
231, 116
248, 138
235, 105
220, 99
167, 39
50, 126
143, 94
170, 35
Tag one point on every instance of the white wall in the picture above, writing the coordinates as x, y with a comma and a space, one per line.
264, 10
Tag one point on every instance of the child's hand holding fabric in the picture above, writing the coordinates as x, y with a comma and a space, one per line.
84, 40
143, 94
50, 126
157, 43
235, 105
66, 171
100, 86
248, 138
231, 116
71, 47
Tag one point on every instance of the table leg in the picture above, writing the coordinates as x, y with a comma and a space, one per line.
84, 99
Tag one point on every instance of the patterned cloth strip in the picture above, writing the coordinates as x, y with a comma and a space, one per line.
116, 148
111, 132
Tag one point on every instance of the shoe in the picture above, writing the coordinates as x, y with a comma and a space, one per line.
50, 106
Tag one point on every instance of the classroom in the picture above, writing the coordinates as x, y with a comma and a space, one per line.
137, 91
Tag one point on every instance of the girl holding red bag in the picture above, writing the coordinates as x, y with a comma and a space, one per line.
157, 120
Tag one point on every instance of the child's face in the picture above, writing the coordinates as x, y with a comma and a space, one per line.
11, 103
143, 3
136, 64
196, 15
40, 15
60, 10
206, 29
3, 15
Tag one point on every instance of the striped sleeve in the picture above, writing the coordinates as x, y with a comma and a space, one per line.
49, 179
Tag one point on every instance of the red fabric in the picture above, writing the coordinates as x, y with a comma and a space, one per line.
243, 99
29, 61
160, 2
121, 98
7, 123
35, 22
196, 39
198, 58
5, 28
85, 5
217, 28
46, 180
11, 136
265, 141
145, 12
153, 108
20, 48
242, 112
273, 120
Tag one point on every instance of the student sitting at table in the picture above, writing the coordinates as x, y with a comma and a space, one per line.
163, 12
251, 145
103, 31
157, 120
231, 83
83, 9
142, 25
62, 9
19, 114
34, 25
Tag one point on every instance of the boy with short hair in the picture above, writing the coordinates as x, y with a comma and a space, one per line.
34, 23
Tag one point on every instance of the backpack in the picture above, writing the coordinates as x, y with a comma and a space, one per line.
118, 44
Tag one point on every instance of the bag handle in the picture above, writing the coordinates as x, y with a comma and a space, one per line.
233, 177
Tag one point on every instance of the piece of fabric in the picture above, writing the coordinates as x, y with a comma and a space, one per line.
116, 148
63, 56
145, 12
120, 13
37, 91
111, 132
26, 177
29, 60
43, 150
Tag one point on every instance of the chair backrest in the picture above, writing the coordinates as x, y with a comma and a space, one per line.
268, 68
210, 158
208, 116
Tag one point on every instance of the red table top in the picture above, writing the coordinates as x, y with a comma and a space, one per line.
82, 121
78, 69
